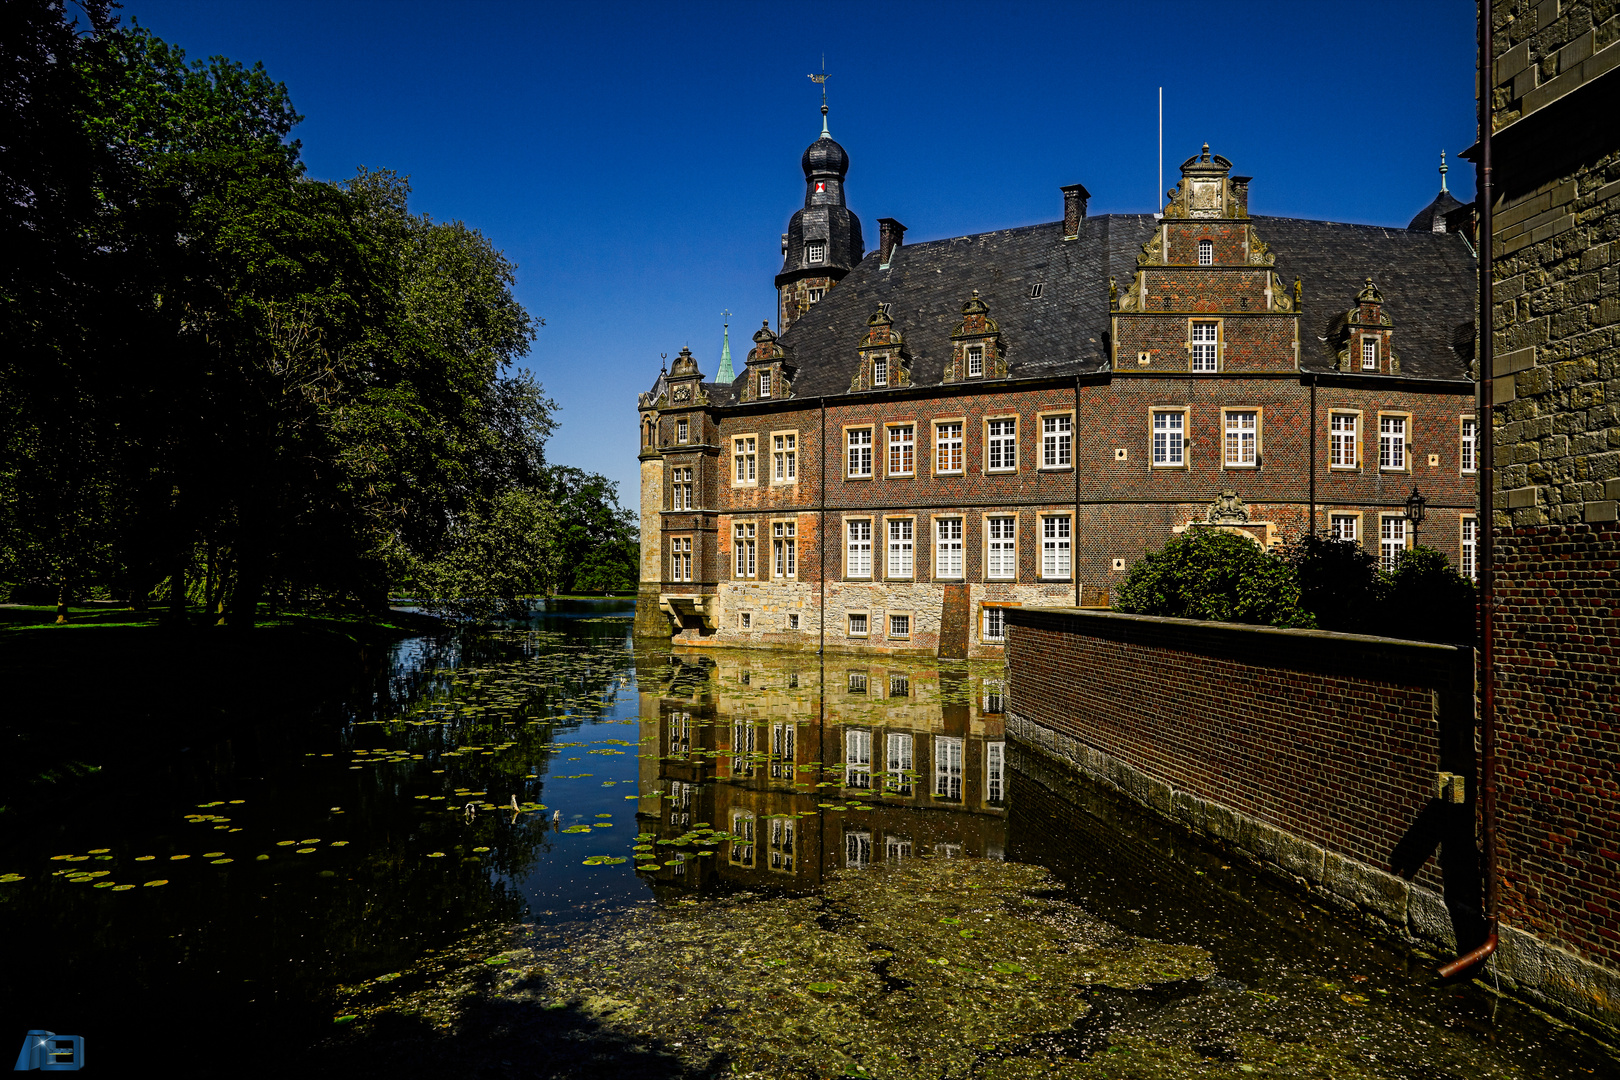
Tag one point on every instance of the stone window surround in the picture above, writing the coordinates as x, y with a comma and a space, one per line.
844, 451
888, 624
933, 538
1000, 605
796, 441
984, 458
1406, 532
863, 613
933, 445
1361, 434
1040, 435
889, 424
873, 546
1462, 421
915, 546
770, 526
1040, 536
736, 483
1377, 350
1406, 451
984, 539
1361, 532
1259, 436
1186, 438
1220, 343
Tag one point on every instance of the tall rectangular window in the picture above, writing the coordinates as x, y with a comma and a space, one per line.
743, 454
857, 759
742, 847
681, 489
1001, 445
898, 763
1470, 548
995, 624
745, 544
1369, 354
858, 563
975, 361
782, 755
681, 428
1001, 548
1206, 253
1242, 438
948, 548
1169, 434
860, 452
880, 371
1342, 441
948, 447
744, 741
785, 457
902, 450
900, 548
1204, 346
947, 767
1343, 527
1054, 547
784, 540
764, 384
1057, 441
1391, 542
1469, 451
680, 559
995, 772
1392, 443
857, 849
782, 836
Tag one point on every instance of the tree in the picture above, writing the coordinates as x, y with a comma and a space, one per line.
600, 539
495, 564
1428, 600
1339, 583
1212, 574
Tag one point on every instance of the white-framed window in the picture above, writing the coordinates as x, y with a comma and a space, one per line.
764, 384
1055, 546
1242, 438
947, 767
902, 450
1001, 444
742, 848
1206, 253
858, 562
995, 696
948, 547
1342, 437
1392, 443
785, 545
681, 429
897, 848
948, 447
680, 734
785, 457
782, 836
680, 492
857, 849
793, 624
1468, 452
860, 452
745, 459
1369, 354
745, 546
744, 740
900, 548
899, 627
857, 628
857, 682
1470, 547
995, 772
898, 763
1391, 541
975, 361
1001, 548
900, 685
1169, 438
815, 295
880, 370
1205, 346
816, 251
783, 739
857, 758
680, 558
1343, 527
745, 620
1057, 441
995, 624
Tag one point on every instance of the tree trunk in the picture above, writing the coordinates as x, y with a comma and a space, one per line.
62, 601
177, 591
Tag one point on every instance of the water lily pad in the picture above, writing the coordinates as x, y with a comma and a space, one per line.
153, 884
306, 850
212, 854
216, 862
177, 858
822, 987
435, 855
122, 888
99, 850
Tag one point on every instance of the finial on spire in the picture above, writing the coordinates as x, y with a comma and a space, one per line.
1206, 151
1442, 170
726, 373
821, 80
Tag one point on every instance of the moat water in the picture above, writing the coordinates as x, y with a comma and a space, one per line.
730, 862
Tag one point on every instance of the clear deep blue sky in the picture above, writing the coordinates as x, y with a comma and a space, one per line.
639, 161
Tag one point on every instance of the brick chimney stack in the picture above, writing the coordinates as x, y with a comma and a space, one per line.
1075, 197
890, 235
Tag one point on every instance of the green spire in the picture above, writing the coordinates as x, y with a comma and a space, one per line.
725, 374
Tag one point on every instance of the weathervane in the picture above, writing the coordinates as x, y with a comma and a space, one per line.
821, 80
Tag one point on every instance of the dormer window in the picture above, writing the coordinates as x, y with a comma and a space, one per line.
880, 371
975, 361
1206, 253
816, 251
764, 384
1369, 354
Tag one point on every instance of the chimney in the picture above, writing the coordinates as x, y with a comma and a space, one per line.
890, 234
1075, 197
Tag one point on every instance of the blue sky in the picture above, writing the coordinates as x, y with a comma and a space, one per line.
639, 162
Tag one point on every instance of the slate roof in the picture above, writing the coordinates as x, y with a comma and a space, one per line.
1427, 280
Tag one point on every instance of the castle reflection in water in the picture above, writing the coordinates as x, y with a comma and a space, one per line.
817, 763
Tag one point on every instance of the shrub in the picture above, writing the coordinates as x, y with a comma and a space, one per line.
1210, 574
1426, 600
1339, 583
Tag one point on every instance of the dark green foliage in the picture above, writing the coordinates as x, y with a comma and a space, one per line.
1425, 599
1210, 574
1339, 583
599, 538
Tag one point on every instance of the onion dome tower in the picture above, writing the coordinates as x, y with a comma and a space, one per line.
1432, 218
823, 241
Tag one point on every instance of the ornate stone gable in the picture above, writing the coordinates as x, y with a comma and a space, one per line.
684, 384
1365, 328
976, 349
884, 362
769, 370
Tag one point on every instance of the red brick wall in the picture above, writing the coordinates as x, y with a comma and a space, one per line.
1558, 719
1333, 738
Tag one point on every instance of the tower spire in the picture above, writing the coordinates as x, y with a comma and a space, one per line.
821, 80
1442, 170
726, 374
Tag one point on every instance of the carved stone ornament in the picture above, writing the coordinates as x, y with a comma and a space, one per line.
1152, 253
977, 328
1259, 253
1227, 509
683, 393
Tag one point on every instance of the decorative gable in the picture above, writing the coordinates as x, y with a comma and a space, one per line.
684, 384
884, 361
1361, 338
976, 350
769, 370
